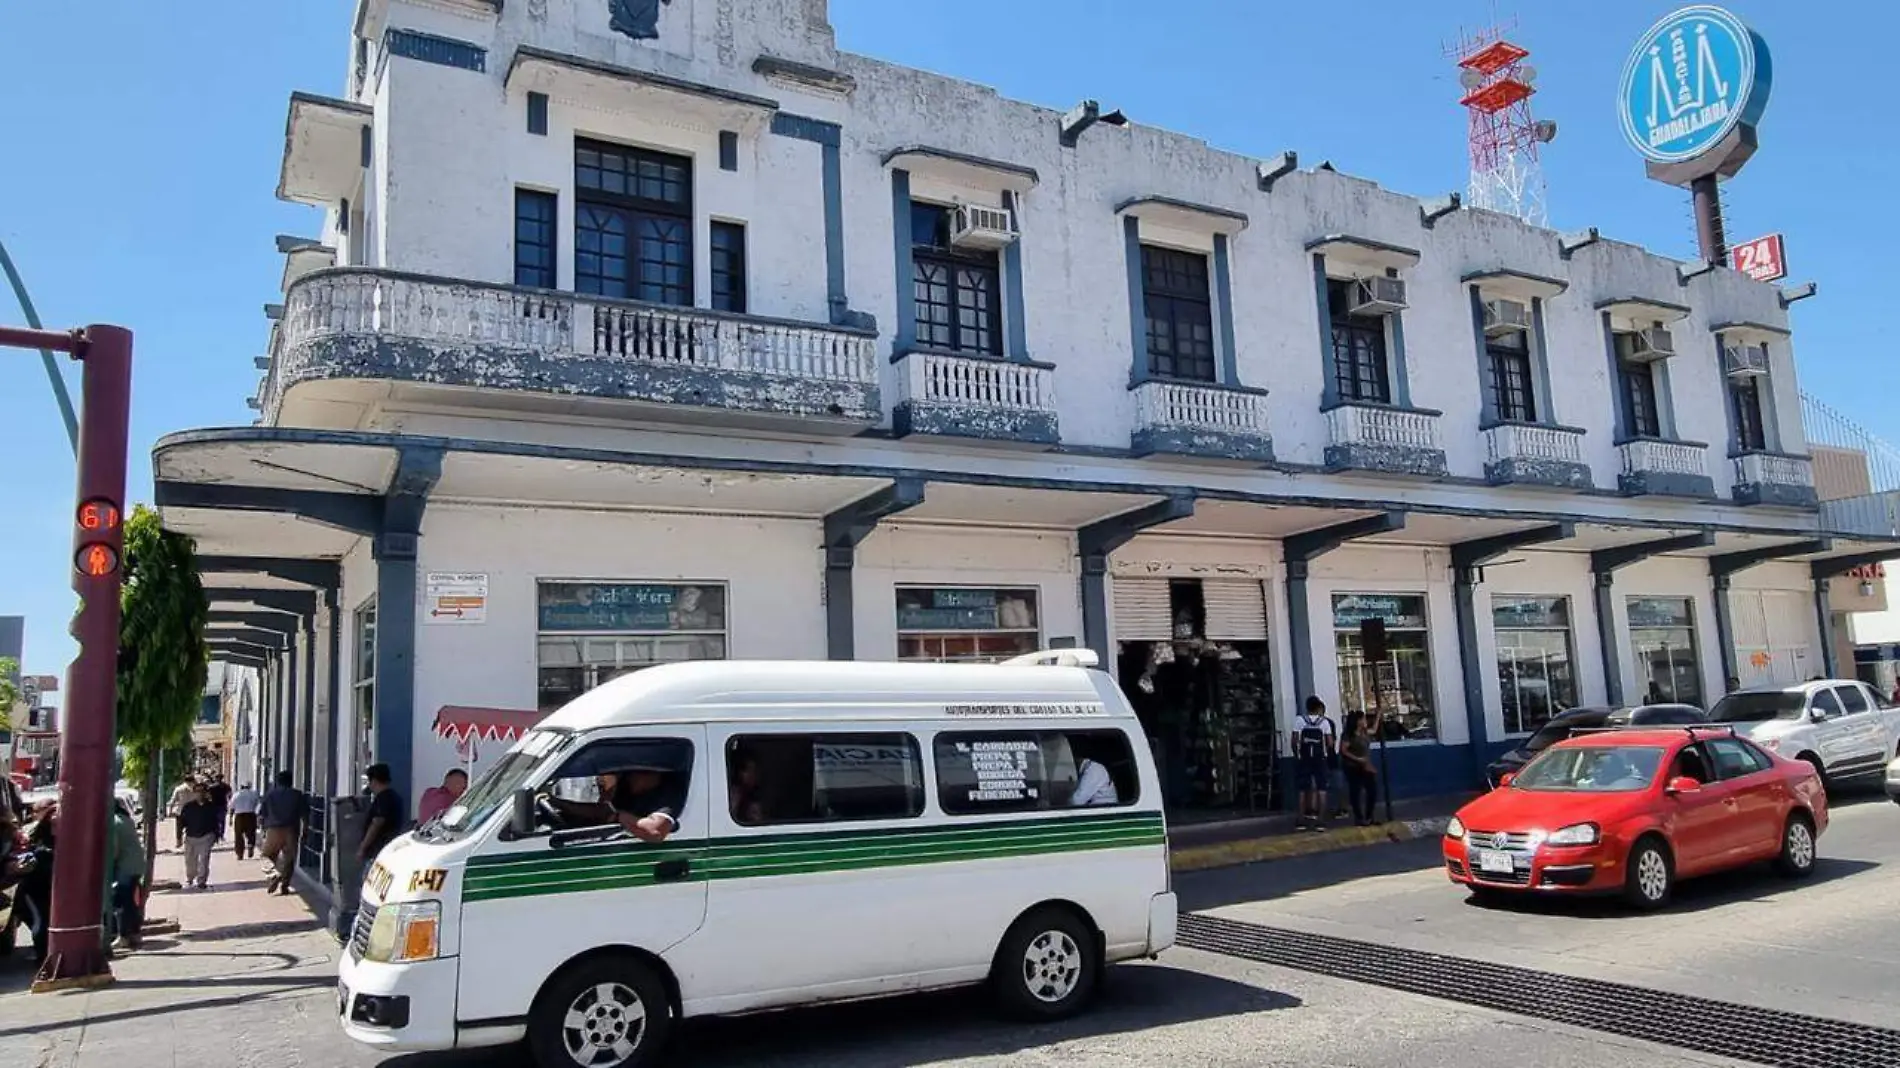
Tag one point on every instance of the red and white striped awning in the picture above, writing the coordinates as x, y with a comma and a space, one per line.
461, 722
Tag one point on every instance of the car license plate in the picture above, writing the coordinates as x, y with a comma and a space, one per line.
1492, 860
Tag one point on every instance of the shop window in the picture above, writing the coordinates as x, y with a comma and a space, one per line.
806, 778
1031, 771
1403, 677
1662, 640
363, 685
1536, 667
1175, 296
955, 290
961, 624
1360, 368
590, 632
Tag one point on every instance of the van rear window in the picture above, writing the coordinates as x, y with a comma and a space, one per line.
1030, 771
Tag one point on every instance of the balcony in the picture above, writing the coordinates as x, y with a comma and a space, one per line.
1660, 468
1536, 454
1204, 422
1382, 438
1775, 479
532, 349
975, 398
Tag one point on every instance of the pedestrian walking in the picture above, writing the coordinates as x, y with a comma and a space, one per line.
199, 819
221, 800
1314, 742
285, 810
1355, 755
127, 874
181, 796
385, 813
244, 808
439, 799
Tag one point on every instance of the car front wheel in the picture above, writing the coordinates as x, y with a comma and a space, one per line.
1797, 848
1651, 876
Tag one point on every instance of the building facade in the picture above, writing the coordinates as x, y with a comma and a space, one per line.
636, 333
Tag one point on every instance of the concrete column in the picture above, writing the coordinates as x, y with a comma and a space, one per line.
1465, 601
1605, 601
395, 679
1824, 614
1299, 630
1725, 627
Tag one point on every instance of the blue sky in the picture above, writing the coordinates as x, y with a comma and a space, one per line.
138, 189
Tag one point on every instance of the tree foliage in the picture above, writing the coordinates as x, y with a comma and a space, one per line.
162, 655
9, 690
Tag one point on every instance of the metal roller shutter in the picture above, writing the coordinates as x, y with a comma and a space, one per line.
1236, 610
1142, 611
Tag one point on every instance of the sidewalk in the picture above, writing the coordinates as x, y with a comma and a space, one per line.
234, 906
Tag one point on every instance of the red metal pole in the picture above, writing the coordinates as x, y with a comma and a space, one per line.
76, 949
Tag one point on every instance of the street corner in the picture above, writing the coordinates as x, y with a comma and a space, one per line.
1301, 843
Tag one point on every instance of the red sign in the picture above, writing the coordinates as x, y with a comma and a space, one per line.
1869, 572
1761, 259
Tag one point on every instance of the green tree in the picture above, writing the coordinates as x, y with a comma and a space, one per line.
9, 690
162, 655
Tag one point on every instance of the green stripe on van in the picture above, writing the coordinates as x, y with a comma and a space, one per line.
623, 865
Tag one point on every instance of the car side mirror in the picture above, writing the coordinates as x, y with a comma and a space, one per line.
1506, 779
1682, 784
521, 813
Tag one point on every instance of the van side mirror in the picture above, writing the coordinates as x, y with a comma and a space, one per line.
1682, 784
521, 813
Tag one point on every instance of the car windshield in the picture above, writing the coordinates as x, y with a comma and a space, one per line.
1758, 707
492, 791
1592, 768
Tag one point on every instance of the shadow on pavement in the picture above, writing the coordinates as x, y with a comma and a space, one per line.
1220, 887
930, 1028
1755, 882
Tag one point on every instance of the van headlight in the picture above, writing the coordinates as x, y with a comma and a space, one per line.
1577, 834
409, 931
1454, 829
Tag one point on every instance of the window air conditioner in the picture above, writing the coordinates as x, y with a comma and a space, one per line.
1377, 296
1745, 361
978, 227
1648, 346
1503, 317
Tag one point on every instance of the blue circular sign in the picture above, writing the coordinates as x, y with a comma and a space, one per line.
1692, 79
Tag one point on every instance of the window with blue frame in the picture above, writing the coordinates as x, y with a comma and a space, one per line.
1179, 308
210, 711
1360, 369
1642, 418
728, 267
633, 223
1744, 398
954, 291
1512, 394
534, 238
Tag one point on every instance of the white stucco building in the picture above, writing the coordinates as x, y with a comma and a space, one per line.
635, 332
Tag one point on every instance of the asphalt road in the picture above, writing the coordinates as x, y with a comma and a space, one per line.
1828, 948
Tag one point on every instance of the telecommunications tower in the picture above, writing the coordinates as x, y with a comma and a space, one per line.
1498, 84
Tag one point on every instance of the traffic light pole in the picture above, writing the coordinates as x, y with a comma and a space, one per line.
76, 946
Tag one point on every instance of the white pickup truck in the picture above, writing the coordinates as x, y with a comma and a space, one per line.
1845, 729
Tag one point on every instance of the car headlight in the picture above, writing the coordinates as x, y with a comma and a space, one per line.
403, 932
1577, 834
1454, 829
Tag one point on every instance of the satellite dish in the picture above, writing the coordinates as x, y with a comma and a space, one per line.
1527, 74
1545, 131
1470, 78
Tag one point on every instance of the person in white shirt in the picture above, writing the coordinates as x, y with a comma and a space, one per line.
244, 807
1093, 785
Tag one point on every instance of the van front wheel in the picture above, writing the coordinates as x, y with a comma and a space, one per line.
1047, 966
610, 1012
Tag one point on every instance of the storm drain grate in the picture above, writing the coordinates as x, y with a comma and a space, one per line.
1741, 1032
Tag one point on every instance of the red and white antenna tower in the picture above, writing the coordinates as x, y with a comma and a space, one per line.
1498, 84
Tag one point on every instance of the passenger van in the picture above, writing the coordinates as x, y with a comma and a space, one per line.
838, 830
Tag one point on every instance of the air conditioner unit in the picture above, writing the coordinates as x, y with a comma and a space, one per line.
979, 227
1648, 346
1745, 361
1503, 317
1377, 296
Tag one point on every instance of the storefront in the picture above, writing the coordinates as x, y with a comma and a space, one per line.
1193, 658
590, 632
1537, 669
963, 624
1404, 672
1663, 650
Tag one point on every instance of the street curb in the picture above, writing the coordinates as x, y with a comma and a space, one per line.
1300, 844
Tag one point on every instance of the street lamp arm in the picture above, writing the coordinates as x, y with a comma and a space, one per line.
46, 356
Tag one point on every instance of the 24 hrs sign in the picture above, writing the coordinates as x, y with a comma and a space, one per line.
1762, 259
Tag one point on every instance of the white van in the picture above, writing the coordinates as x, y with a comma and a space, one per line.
837, 830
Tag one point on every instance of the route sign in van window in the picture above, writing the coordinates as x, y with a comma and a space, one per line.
1027, 771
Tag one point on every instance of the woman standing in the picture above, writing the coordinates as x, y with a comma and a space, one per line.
1355, 756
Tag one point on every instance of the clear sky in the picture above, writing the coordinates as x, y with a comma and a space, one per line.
140, 144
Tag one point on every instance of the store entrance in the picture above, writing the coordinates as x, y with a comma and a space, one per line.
1206, 705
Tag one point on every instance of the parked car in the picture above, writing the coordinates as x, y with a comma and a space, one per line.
1563, 723
1893, 780
1630, 812
1841, 727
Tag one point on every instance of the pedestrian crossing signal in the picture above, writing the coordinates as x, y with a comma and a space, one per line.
97, 561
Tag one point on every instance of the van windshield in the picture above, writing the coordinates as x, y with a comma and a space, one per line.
492, 791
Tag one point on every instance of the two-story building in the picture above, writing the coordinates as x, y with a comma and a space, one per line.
643, 332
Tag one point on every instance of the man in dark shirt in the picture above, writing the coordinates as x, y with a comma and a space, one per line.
385, 813
284, 812
199, 820
646, 800
221, 800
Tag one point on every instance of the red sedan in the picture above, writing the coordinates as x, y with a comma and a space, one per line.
1632, 811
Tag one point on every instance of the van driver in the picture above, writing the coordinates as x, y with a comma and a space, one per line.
646, 799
